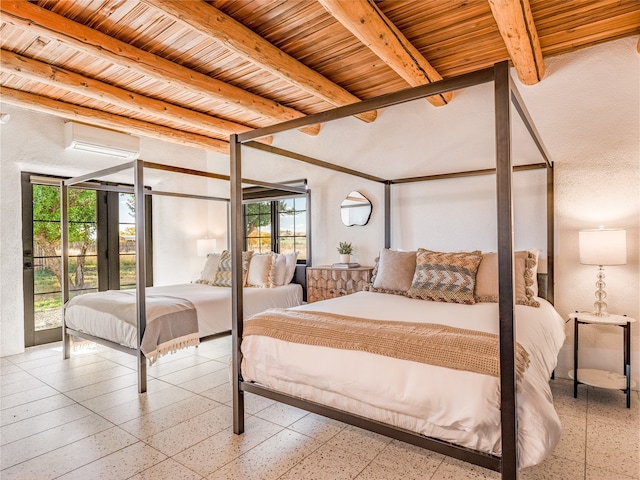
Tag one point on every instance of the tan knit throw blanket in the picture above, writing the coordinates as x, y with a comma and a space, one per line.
428, 343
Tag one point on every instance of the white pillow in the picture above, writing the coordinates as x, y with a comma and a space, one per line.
291, 259
210, 268
283, 269
259, 270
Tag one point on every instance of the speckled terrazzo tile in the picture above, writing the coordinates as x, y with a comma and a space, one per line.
193, 372
255, 403
412, 461
188, 433
168, 469
174, 363
328, 463
119, 465
21, 386
223, 447
611, 406
7, 367
166, 417
269, 459
594, 473
17, 377
108, 396
205, 382
70, 457
40, 423
32, 409
281, 414
40, 351
221, 393
19, 398
68, 380
51, 439
572, 438
452, 469
318, 427
554, 468
613, 448
360, 442
563, 400
145, 403
44, 366
90, 392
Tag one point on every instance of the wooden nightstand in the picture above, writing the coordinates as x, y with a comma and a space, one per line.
325, 282
602, 378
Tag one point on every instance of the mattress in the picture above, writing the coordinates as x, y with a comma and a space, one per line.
452, 405
213, 307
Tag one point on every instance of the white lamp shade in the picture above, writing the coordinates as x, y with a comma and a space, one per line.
205, 246
603, 246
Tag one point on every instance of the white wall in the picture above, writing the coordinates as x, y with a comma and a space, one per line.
586, 110
33, 142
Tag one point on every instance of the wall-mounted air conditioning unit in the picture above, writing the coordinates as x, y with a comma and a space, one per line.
85, 138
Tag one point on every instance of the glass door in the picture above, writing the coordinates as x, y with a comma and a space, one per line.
99, 222
42, 255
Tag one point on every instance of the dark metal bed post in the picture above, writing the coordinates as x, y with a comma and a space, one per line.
506, 307
387, 214
550, 235
141, 275
64, 217
236, 281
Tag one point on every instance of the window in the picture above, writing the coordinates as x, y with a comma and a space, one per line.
279, 225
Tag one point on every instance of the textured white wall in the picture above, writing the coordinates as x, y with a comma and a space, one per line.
33, 142
587, 112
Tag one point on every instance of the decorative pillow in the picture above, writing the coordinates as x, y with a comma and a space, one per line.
283, 268
223, 275
445, 277
526, 268
291, 260
259, 269
210, 268
393, 272
278, 270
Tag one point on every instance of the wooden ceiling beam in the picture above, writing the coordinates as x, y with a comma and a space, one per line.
518, 31
209, 21
108, 120
24, 67
92, 42
367, 22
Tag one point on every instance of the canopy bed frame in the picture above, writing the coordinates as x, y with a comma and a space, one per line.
505, 95
141, 193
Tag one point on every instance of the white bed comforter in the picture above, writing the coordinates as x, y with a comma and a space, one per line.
456, 406
213, 307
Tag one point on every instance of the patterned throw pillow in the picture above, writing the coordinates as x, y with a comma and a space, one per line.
223, 275
210, 269
445, 277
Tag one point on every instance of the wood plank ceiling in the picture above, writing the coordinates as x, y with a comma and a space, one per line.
194, 72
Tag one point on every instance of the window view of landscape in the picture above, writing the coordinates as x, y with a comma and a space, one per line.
288, 217
83, 260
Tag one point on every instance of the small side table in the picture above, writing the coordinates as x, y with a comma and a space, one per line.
324, 282
602, 378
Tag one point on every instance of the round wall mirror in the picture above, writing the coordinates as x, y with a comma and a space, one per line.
355, 209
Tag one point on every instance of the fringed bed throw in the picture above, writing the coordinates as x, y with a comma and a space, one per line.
429, 343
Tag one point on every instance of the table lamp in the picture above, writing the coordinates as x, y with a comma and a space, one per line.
602, 246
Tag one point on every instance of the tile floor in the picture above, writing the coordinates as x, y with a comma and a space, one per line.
83, 419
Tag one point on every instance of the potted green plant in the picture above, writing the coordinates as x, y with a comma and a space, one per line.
345, 249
